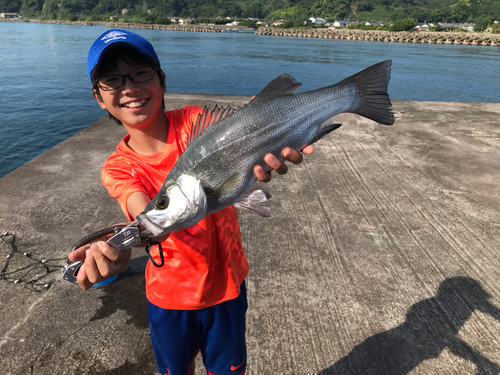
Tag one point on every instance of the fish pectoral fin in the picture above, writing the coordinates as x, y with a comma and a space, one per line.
252, 199
325, 128
282, 85
259, 188
255, 209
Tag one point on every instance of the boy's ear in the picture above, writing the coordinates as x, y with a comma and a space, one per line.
96, 97
164, 90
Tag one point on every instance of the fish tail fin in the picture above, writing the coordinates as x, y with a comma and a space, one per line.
374, 102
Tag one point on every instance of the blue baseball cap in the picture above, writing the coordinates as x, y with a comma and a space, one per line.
112, 37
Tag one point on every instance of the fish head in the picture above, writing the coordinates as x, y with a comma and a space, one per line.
179, 204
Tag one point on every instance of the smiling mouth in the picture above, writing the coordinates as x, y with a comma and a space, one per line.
137, 104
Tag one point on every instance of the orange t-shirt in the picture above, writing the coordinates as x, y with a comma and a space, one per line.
204, 264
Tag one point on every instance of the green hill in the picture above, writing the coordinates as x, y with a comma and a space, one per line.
160, 11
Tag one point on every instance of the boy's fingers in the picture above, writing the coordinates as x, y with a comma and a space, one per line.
261, 174
275, 164
308, 150
78, 254
291, 155
82, 278
103, 264
93, 274
108, 252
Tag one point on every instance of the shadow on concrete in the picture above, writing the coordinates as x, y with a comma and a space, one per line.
136, 266
119, 298
130, 368
126, 294
431, 326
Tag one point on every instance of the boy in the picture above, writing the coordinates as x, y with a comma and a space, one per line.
197, 300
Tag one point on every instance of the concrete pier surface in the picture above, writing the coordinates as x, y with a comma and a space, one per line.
382, 256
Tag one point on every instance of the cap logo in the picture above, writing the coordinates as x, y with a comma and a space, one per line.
113, 35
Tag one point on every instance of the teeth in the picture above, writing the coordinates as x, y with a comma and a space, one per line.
135, 104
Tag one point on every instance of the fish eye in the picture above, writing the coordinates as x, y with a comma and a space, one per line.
161, 202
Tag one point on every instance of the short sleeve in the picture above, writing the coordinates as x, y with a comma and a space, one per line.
121, 182
184, 120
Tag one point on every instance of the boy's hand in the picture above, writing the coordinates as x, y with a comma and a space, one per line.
280, 167
101, 262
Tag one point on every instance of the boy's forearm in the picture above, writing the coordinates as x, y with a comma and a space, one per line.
137, 202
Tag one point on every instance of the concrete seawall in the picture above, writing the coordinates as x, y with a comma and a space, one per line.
381, 257
192, 28
172, 27
483, 39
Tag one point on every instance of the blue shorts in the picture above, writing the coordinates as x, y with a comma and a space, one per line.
218, 331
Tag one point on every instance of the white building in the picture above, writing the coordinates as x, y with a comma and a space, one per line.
9, 15
317, 21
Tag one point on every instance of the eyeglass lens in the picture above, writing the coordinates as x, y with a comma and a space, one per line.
115, 81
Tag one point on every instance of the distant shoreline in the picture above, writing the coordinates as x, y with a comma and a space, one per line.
171, 27
461, 38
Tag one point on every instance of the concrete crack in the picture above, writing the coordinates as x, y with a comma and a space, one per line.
32, 366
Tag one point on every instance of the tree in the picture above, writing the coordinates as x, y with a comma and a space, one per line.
460, 12
441, 14
30, 8
403, 25
295, 10
421, 14
294, 13
10, 6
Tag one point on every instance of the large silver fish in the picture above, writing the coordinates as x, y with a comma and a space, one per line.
216, 169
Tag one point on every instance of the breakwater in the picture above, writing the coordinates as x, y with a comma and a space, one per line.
176, 27
13, 20
171, 27
64, 22
483, 39
54, 22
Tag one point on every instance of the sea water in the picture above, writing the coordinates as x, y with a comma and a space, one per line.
45, 92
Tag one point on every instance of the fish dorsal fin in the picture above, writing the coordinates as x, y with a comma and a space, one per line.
282, 85
207, 118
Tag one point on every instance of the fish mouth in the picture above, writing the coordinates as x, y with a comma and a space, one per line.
148, 224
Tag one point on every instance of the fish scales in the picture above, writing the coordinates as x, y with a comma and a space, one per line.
263, 125
216, 169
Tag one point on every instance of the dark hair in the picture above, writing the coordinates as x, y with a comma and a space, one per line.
131, 56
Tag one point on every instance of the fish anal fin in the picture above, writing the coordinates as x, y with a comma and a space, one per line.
282, 85
325, 128
207, 118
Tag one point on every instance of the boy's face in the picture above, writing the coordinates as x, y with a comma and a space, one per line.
134, 104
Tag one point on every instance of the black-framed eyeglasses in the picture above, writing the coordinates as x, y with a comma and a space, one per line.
115, 81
